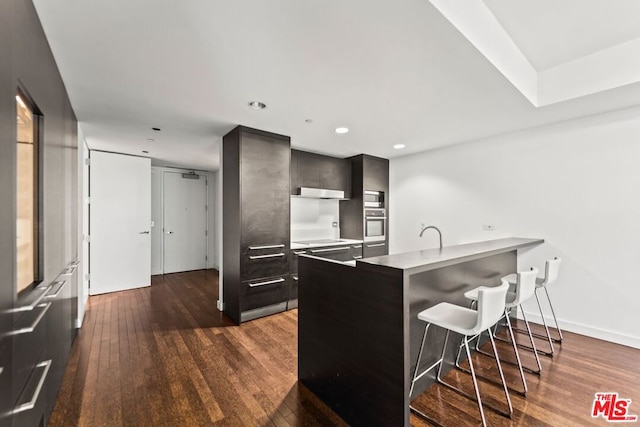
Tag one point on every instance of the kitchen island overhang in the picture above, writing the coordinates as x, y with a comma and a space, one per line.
358, 334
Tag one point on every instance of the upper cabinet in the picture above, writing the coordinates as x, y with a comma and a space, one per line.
319, 171
375, 174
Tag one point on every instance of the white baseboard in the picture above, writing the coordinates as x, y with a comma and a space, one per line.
589, 331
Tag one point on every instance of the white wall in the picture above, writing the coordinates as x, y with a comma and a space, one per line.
83, 227
575, 184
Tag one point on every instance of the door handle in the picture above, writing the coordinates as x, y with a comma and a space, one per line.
34, 325
266, 256
377, 245
168, 232
268, 282
317, 251
43, 291
144, 232
34, 398
56, 288
266, 247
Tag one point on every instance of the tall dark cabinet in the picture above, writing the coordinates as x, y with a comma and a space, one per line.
368, 173
37, 324
256, 210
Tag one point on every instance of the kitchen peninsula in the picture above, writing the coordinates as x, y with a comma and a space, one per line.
358, 334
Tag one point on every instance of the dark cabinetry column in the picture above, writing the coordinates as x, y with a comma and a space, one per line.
368, 174
34, 341
256, 199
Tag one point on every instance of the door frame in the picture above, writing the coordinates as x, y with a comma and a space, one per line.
157, 216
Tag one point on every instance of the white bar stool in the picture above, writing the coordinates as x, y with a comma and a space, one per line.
524, 289
468, 323
551, 269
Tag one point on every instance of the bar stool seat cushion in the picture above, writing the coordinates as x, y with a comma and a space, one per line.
450, 316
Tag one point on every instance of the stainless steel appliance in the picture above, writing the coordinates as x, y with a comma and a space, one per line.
373, 199
375, 224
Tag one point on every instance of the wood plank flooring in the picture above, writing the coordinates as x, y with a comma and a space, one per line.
164, 356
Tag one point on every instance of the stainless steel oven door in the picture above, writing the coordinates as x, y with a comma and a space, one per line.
374, 228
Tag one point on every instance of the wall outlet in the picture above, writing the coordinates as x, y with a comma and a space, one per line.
488, 227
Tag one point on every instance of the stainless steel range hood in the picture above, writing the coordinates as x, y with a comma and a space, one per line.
320, 193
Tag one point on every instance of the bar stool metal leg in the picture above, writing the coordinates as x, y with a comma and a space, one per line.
518, 362
546, 328
554, 317
475, 376
533, 344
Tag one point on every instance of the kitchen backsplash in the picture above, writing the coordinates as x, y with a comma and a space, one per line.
313, 219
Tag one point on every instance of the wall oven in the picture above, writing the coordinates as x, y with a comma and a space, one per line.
375, 224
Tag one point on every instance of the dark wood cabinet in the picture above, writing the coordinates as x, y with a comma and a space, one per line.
375, 174
264, 292
35, 339
319, 171
374, 249
368, 173
256, 200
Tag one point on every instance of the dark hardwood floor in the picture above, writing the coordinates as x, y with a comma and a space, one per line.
164, 356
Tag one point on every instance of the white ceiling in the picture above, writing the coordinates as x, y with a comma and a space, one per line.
393, 72
551, 32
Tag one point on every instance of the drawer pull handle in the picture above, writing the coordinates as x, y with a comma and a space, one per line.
254, 248
299, 252
317, 251
377, 245
266, 256
34, 325
35, 302
32, 403
268, 282
357, 256
68, 271
295, 278
54, 292
357, 247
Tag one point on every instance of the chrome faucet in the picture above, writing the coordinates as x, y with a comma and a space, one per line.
435, 228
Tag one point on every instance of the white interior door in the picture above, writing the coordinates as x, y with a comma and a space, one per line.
120, 220
185, 222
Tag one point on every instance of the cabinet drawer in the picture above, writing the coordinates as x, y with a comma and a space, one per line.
263, 292
264, 261
338, 253
356, 251
372, 249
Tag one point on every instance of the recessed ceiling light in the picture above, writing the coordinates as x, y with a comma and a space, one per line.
156, 129
145, 152
342, 130
399, 146
257, 105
